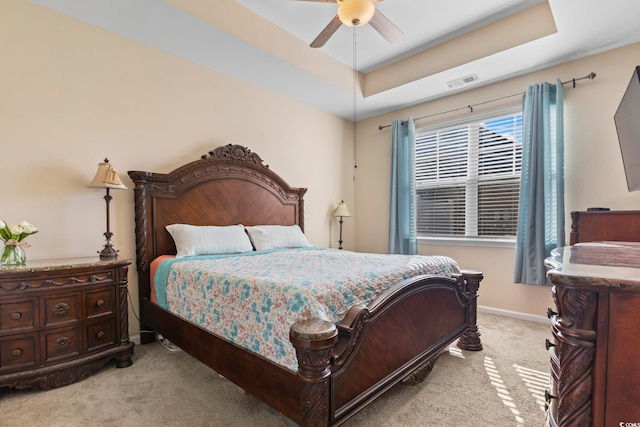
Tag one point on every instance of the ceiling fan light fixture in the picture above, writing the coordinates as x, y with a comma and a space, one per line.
356, 12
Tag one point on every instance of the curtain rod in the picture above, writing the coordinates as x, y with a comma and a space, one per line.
589, 76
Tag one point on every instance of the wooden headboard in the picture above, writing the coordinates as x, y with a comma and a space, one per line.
229, 185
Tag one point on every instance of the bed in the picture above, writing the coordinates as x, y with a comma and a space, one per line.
341, 365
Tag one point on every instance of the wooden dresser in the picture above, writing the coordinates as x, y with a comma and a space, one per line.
62, 319
597, 226
595, 345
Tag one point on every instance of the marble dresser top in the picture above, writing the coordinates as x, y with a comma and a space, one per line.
60, 264
609, 264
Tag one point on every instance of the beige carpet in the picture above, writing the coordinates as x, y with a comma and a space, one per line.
503, 385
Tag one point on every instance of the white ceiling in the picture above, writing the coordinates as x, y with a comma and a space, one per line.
583, 27
423, 23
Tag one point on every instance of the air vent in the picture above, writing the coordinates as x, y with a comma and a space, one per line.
462, 81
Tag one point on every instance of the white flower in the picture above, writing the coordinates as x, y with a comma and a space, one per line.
17, 232
28, 227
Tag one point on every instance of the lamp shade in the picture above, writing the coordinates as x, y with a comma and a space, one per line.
356, 12
341, 210
106, 177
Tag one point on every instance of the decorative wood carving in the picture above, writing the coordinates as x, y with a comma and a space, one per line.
576, 308
420, 374
235, 152
575, 336
314, 340
45, 378
142, 226
40, 283
62, 343
573, 234
60, 309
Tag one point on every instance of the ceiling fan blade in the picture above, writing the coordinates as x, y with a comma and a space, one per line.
386, 28
326, 33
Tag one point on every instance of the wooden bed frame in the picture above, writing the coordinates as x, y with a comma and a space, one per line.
343, 367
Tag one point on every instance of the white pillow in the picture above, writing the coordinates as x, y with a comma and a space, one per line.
277, 236
209, 239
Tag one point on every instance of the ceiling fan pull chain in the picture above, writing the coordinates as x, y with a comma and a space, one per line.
355, 105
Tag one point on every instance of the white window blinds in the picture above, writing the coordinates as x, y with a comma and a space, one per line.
468, 177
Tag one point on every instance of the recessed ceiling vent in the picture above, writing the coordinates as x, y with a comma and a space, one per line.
462, 81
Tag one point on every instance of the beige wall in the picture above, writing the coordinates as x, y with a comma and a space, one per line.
593, 168
73, 94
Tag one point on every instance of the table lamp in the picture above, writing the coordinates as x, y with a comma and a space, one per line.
106, 177
341, 211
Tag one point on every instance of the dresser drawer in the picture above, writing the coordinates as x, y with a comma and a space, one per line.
62, 344
61, 310
100, 302
18, 353
101, 335
18, 316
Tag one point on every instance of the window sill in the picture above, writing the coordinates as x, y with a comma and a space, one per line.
468, 241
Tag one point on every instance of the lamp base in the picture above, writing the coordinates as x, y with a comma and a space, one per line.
108, 253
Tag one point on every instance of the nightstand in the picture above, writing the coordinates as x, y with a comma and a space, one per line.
62, 319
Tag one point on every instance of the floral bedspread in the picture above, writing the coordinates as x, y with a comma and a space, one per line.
252, 299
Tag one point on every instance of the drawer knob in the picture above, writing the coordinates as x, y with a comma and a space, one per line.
60, 309
548, 396
16, 316
551, 313
100, 334
16, 353
99, 303
62, 343
548, 344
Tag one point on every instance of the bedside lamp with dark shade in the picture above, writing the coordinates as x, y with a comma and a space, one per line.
340, 212
106, 177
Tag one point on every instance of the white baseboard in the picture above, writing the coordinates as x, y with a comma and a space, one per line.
514, 314
135, 339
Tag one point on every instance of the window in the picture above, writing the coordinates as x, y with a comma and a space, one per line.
468, 177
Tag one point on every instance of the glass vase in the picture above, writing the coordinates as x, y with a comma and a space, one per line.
13, 256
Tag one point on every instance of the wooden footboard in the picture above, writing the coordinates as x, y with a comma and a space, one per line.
344, 368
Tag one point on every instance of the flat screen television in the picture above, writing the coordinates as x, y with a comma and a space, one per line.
627, 120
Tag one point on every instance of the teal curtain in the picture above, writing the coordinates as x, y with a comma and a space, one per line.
541, 208
403, 237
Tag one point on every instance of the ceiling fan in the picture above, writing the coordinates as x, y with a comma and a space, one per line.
356, 13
